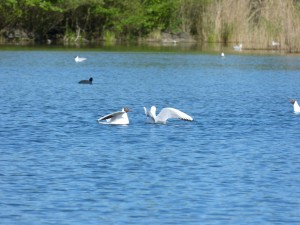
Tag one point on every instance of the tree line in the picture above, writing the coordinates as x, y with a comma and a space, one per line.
89, 19
253, 22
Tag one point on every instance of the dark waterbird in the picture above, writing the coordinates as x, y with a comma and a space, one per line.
90, 81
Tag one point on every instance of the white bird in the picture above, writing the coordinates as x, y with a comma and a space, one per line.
238, 47
222, 54
275, 43
79, 59
116, 118
296, 106
164, 115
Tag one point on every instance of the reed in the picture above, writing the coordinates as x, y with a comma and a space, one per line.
109, 37
254, 23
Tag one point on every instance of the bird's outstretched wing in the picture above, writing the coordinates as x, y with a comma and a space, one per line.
112, 116
168, 113
150, 118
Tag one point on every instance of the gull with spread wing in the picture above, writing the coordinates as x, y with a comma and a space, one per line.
116, 118
164, 115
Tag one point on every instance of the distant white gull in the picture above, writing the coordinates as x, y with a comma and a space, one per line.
238, 47
79, 59
164, 115
116, 118
274, 43
296, 106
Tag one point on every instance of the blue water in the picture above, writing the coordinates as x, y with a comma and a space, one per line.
238, 162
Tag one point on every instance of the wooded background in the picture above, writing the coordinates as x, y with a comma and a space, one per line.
255, 23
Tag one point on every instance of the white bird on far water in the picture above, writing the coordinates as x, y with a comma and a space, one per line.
274, 43
79, 59
164, 115
222, 54
116, 118
296, 106
238, 47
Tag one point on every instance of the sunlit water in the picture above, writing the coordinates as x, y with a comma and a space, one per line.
238, 162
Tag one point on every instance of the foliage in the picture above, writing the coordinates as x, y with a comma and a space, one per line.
91, 17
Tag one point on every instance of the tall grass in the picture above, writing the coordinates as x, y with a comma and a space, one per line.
255, 23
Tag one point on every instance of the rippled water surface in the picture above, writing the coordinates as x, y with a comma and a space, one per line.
238, 162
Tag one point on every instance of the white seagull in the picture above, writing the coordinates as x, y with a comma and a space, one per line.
274, 43
164, 115
238, 47
79, 59
296, 106
116, 118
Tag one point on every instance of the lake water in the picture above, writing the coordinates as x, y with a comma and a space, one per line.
238, 162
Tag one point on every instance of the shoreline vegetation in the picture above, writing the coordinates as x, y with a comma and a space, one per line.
257, 24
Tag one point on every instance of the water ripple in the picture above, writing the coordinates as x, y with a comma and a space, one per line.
236, 163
